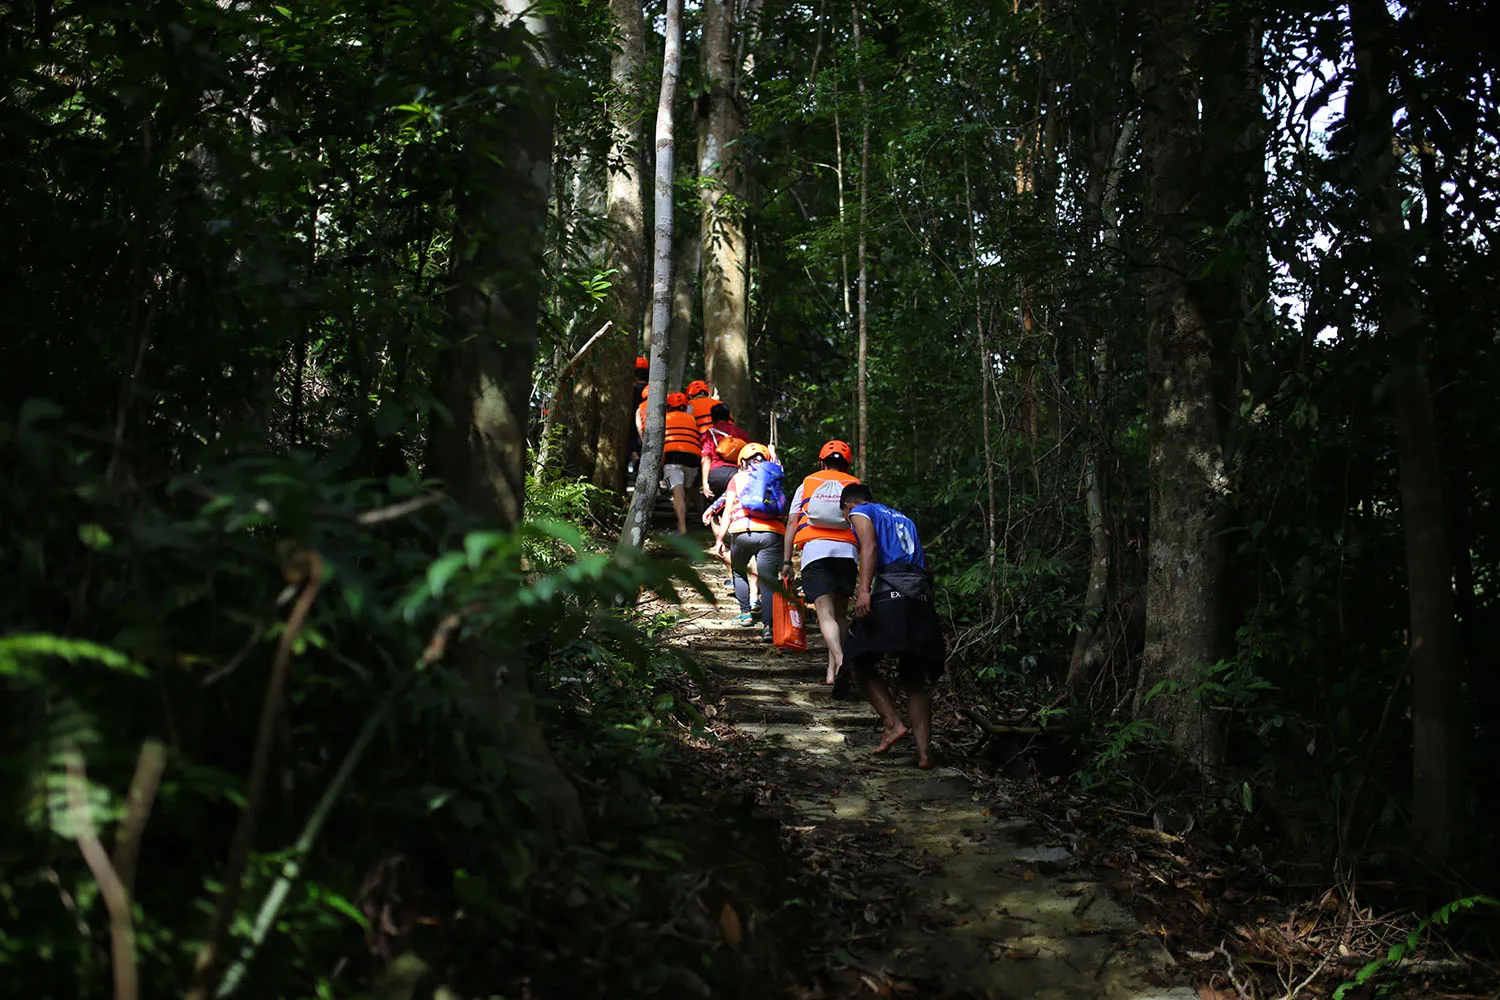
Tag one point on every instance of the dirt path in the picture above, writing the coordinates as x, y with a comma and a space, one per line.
961, 897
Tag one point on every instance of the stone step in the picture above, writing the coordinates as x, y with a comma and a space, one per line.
765, 710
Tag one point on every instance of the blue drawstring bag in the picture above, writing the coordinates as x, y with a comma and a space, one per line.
763, 494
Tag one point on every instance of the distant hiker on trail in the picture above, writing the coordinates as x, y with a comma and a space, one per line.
642, 376
701, 404
817, 526
681, 454
638, 393
756, 503
894, 614
638, 430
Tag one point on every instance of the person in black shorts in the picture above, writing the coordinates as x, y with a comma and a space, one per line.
817, 527
893, 616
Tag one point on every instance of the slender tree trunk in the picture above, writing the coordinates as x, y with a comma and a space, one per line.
1436, 715
726, 336
838, 174
484, 376
986, 374
643, 501
1186, 457
862, 377
1096, 503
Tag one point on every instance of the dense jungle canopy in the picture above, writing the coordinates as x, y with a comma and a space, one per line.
337, 633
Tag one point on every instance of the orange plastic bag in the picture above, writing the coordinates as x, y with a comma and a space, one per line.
787, 628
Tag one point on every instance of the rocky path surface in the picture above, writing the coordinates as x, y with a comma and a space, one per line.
962, 896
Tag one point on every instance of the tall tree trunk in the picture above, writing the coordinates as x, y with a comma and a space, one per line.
986, 376
483, 376
726, 277
643, 501
684, 292
626, 250
862, 374
1435, 710
599, 406
1186, 458
1096, 496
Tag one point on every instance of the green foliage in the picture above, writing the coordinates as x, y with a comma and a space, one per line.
1391, 960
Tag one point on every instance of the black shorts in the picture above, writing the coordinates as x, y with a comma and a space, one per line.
830, 575
719, 477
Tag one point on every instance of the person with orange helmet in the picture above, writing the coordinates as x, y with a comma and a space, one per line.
701, 403
681, 454
816, 526
754, 531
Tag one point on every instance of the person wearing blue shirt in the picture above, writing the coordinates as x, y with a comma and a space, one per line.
893, 615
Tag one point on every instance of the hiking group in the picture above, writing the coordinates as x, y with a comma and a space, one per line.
861, 564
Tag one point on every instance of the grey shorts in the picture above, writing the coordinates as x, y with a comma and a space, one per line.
680, 475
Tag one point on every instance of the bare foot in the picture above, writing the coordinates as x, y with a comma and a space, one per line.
828, 678
891, 736
924, 761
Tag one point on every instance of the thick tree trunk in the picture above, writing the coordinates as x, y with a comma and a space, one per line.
726, 275
599, 405
626, 254
684, 292
484, 376
1436, 716
1186, 459
643, 501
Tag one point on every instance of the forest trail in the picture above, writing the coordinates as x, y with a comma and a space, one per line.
962, 897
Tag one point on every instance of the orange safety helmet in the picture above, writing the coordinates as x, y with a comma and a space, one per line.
836, 447
641, 362
754, 450
676, 399
697, 387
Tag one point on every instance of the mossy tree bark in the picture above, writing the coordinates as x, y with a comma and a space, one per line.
1186, 454
726, 258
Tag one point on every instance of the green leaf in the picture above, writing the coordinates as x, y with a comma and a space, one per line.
442, 570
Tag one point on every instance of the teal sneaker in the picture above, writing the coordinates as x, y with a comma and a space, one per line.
744, 618
765, 634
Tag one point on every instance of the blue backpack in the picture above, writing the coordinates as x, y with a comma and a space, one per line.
763, 494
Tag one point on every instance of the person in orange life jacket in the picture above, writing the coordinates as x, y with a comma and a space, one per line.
680, 454
754, 538
717, 470
642, 376
893, 615
816, 526
701, 404
638, 393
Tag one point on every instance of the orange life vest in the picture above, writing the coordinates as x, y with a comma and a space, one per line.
640, 420
741, 519
701, 407
803, 530
682, 433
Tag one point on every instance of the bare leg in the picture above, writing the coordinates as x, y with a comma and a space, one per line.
880, 700
679, 505
919, 711
831, 624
